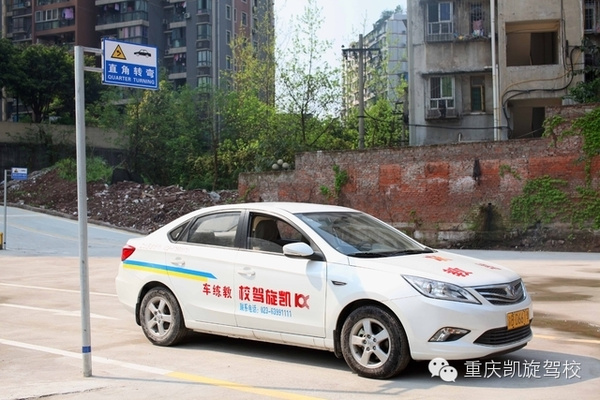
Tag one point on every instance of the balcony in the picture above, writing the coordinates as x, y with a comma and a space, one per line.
48, 25
117, 18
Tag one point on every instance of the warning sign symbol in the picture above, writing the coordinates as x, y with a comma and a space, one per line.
118, 53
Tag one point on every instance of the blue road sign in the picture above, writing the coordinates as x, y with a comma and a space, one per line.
18, 174
129, 64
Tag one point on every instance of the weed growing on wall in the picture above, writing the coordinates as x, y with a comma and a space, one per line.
341, 178
542, 201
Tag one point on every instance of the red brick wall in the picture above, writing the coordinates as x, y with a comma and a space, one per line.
428, 188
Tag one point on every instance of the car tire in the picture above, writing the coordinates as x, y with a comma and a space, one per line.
374, 343
161, 318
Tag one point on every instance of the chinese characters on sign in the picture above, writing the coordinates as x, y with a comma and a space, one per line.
129, 64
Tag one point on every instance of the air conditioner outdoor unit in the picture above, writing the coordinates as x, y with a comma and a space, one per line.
186, 15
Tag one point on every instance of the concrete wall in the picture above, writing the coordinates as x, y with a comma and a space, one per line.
16, 132
21, 145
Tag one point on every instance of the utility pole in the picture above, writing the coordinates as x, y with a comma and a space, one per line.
359, 52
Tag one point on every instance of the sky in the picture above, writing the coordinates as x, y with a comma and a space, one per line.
344, 20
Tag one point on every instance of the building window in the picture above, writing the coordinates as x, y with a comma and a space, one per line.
204, 58
228, 12
590, 16
441, 93
204, 31
440, 24
47, 15
532, 43
228, 63
477, 93
234, 15
244, 19
204, 6
476, 18
204, 81
228, 37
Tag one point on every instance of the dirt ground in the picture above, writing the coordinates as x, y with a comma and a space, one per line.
139, 207
145, 208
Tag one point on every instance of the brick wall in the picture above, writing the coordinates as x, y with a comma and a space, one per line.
430, 191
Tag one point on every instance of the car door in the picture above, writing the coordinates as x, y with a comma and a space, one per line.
276, 293
201, 268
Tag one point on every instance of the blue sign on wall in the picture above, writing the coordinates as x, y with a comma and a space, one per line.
129, 64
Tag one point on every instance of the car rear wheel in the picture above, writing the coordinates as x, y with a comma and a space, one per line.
161, 318
374, 343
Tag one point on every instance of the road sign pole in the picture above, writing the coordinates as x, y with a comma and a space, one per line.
5, 226
86, 345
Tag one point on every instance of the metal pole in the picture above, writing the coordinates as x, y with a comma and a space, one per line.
86, 347
497, 131
5, 223
361, 94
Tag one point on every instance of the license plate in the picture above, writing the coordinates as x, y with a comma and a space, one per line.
517, 319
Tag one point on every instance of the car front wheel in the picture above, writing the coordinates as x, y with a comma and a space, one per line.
161, 318
374, 343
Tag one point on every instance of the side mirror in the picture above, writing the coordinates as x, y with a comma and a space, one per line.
300, 250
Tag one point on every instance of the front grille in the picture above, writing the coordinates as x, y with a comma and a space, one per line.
504, 294
502, 336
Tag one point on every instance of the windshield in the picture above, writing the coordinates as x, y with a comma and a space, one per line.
357, 234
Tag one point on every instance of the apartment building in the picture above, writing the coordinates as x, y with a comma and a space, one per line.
193, 37
385, 62
63, 22
486, 70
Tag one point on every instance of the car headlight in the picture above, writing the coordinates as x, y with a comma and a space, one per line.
440, 290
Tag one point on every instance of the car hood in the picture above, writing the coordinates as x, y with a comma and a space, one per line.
441, 266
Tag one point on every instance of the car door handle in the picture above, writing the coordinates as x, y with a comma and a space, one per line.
246, 272
178, 261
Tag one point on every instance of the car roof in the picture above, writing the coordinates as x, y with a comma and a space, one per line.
291, 207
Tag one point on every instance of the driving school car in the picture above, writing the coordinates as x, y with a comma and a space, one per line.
323, 277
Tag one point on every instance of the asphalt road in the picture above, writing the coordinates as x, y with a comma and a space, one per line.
40, 340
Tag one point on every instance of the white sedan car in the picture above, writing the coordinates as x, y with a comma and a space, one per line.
323, 277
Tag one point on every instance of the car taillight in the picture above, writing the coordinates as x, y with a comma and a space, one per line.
126, 252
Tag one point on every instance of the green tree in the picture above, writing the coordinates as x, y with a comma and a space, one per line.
588, 91
42, 74
7, 62
309, 87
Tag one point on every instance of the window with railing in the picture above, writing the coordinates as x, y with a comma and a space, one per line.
590, 16
441, 97
440, 21
476, 18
